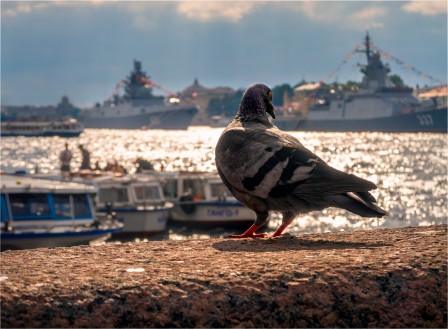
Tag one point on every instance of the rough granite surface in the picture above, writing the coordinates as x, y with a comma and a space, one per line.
380, 278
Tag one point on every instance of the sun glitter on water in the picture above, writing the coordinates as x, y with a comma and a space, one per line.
410, 170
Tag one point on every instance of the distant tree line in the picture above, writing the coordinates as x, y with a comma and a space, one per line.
64, 109
228, 105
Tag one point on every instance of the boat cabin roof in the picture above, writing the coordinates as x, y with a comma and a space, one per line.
26, 184
124, 180
188, 175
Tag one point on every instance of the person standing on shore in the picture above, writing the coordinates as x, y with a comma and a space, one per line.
85, 158
65, 157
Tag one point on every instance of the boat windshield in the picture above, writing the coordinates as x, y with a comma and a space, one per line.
63, 209
113, 194
218, 190
29, 206
62, 206
169, 187
194, 187
4, 213
145, 192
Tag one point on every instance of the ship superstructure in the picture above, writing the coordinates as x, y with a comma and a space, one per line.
139, 108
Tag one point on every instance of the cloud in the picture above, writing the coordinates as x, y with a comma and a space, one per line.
208, 11
344, 14
427, 8
368, 18
145, 14
15, 9
319, 11
12, 9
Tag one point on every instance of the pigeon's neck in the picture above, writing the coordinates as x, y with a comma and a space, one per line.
252, 110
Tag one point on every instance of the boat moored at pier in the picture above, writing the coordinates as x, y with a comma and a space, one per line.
137, 200
201, 199
43, 213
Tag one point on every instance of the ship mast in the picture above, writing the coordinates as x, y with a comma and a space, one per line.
375, 72
367, 44
137, 84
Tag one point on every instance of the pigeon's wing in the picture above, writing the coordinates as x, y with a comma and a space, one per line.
269, 163
255, 161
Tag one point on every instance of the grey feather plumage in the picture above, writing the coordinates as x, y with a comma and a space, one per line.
267, 169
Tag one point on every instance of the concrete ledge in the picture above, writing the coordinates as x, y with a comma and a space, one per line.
381, 278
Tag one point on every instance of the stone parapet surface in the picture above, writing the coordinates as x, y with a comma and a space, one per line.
378, 278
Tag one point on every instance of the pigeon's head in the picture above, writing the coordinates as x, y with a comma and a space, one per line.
256, 103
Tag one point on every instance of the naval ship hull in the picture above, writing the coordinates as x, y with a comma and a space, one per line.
434, 121
168, 119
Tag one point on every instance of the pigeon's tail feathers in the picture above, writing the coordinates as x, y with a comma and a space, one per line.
360, 203
330, 181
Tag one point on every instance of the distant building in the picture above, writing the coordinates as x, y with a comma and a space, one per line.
45, 112
303, 97
438, 95
201, 97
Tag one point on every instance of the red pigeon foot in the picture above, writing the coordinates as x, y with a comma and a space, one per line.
244, 235
288, 217
250, 233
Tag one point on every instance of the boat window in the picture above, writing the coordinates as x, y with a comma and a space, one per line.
62, 206
27, 206
113, 195
4, 214
169, 188
147, 192
218, 190
82, 206
194, 187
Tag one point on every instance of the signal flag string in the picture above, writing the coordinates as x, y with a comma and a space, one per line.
144, 81
407, 66
347, 58
388, 57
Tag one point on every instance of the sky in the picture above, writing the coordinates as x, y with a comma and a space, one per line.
82, 49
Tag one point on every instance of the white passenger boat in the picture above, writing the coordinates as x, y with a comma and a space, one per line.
138, 200
63, 128
39, 213
202, 199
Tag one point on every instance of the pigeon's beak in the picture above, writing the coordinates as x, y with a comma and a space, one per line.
270, 110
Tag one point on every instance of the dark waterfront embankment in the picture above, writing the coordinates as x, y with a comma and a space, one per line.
380, 278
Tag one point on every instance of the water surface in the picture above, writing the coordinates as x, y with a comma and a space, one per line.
410, 170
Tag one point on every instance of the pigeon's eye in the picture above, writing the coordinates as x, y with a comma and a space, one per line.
270, 96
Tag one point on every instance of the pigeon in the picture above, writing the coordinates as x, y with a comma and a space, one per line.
267, 170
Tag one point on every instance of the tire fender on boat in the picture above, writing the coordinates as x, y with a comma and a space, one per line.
187, 204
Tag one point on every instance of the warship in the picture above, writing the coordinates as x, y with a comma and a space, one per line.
379, 105
138, 108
